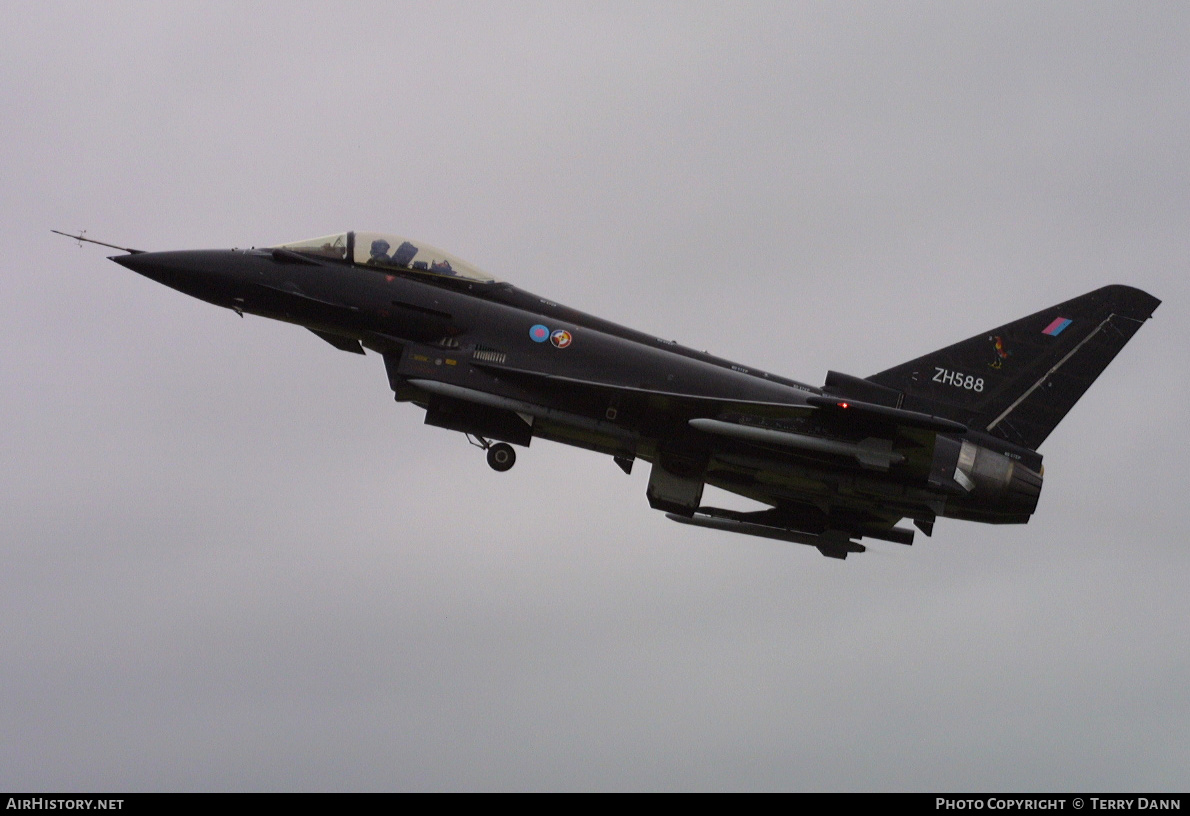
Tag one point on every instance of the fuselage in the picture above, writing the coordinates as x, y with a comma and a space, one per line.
388, 309
486, 358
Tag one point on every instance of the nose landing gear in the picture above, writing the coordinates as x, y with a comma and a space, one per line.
501, 456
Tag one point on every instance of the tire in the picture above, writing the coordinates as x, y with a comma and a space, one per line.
501, 457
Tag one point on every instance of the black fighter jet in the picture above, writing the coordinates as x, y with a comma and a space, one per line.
953, 433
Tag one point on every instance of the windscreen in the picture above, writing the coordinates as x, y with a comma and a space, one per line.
328, 246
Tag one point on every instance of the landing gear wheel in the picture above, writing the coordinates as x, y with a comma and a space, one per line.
501, 457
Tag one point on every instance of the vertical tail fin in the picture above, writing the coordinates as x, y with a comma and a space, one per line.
1018, 381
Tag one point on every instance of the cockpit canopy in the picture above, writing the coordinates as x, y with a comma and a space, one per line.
388, 252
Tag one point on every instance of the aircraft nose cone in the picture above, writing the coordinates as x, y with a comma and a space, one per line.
205, 274
162, 267
130, 261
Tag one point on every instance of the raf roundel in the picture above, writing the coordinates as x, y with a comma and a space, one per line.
539, 333
561, 338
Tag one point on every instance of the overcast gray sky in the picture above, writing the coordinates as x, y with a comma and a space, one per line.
230, 561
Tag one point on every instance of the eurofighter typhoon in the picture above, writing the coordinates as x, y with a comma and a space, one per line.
951, 434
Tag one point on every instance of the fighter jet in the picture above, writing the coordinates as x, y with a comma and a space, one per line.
952, 434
